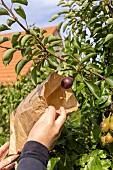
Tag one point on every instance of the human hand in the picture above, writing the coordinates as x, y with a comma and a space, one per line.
5, 164
48, 128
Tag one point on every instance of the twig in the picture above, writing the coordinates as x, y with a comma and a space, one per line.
26, 24
11, 6
13, 16
111, 10
91, 71
4, 47
38, 40
61, 59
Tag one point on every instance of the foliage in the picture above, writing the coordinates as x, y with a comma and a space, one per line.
84, 52
10, 97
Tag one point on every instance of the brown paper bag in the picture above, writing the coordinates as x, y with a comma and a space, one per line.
33, 106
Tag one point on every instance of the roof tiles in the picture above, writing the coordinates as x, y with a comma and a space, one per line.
7, 73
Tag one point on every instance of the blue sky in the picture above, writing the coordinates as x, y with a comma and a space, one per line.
38, 12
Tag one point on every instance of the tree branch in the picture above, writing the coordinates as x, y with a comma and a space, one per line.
91, 71
3, 3
21, 25
4, 47
111, 10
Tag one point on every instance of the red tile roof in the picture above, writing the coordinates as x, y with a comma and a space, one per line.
7, 73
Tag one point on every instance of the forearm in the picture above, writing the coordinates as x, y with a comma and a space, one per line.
34, 156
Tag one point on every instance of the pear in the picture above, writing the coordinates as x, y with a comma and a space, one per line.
103, 140
111, 126
108, 138
111, 118
111, 123
105, 125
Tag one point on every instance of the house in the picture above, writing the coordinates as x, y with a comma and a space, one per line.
7, 73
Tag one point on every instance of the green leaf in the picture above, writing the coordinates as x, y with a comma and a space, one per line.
43, 32
93, 20
3, 39
53, 38
54, 17
109, 80
52, 63
94, 163
95, 67
70, 15
55, 43
109, 21
107, 103
77, 43
28, 51
51, 50
34, 33
25, 39
34, 76
34, 52
87, 58
14, 38
24, 2
10, 22
59, 25
93, 88
97, 30
61, 2
102, 100
8, 55
3, 11
20, 65
109, 69
108, 37
94, 9
45, 41
4, 27
52, 162
85, 4
20, 11
65, 11
65, 26
106, 163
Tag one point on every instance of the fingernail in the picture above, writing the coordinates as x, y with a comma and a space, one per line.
62, 108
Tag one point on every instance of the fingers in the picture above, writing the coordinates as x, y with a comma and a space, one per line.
43, 116
62, 117
9, 167
50, 116
51, 113
4, 150
7, 161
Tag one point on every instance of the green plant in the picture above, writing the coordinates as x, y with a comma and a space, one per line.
86, 54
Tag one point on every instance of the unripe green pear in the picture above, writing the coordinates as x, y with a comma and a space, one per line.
111, 118
108, 138
103, 140
111, 123
105, 125
111, 126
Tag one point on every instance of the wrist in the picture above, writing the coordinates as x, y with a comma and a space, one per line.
36, 150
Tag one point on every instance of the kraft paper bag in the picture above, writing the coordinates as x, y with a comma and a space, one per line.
33, 106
